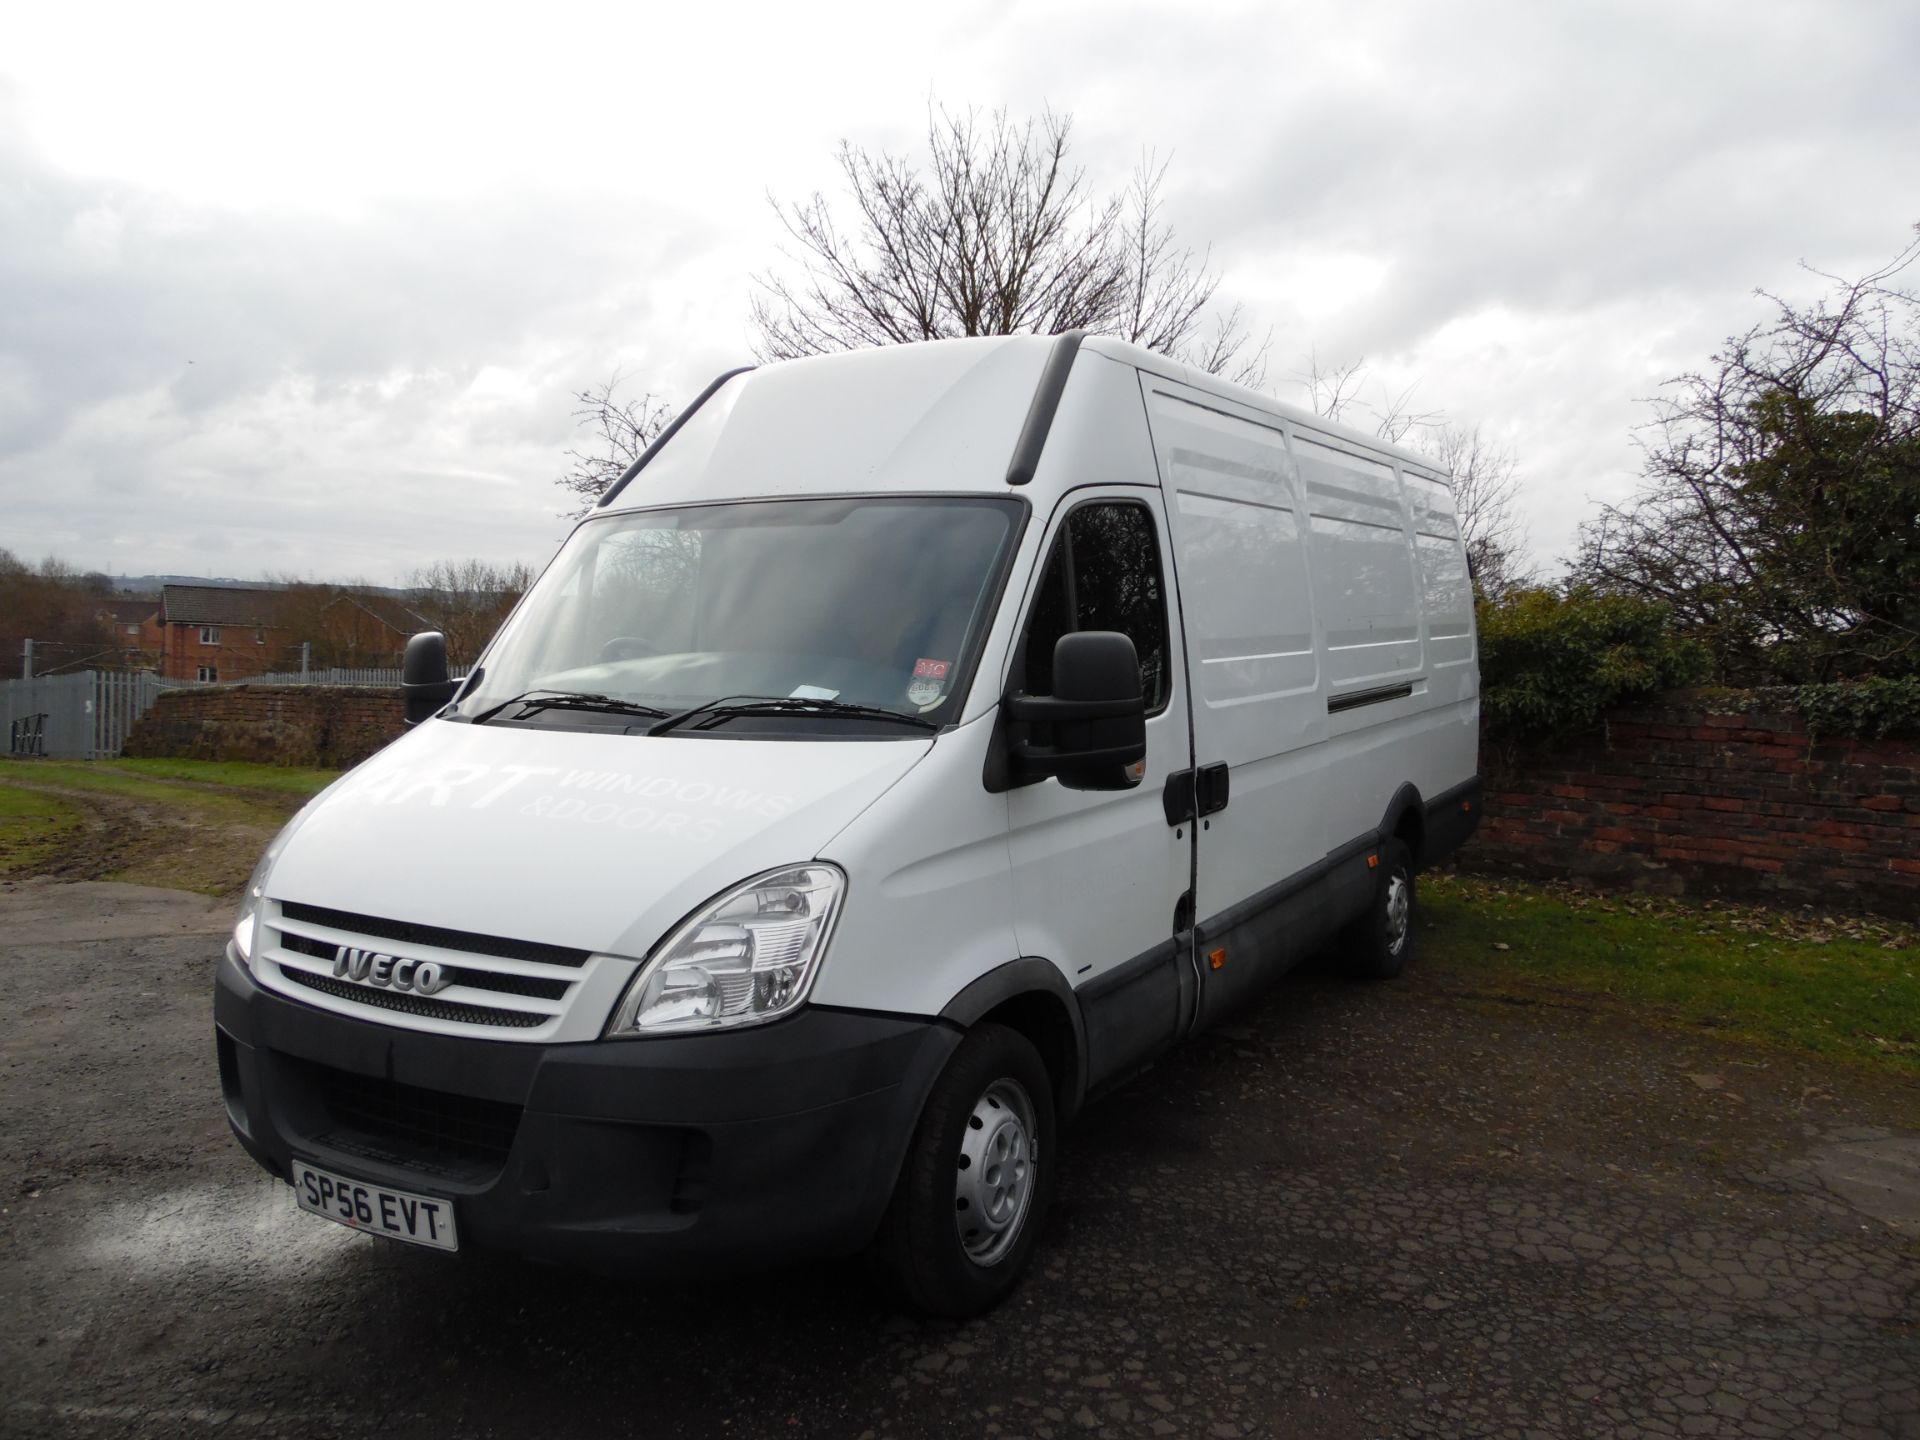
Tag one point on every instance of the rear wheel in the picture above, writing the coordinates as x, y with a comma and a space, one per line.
1379, 943
973, 1193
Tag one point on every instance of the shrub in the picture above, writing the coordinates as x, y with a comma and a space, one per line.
1553, 661
1873, 708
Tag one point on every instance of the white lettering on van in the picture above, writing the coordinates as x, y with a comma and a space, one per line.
379, 789
441, 783
514, 775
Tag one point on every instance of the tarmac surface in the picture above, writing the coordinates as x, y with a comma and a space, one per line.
1409, 1209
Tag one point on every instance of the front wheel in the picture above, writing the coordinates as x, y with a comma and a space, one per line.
973, 1192
1379, 943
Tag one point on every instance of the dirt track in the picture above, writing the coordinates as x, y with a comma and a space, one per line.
174, 833
1367, 1211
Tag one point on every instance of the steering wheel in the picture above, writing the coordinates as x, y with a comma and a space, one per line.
628, 647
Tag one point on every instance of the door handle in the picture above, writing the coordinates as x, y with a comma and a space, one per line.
1211, 788
1190, 794
1177, 797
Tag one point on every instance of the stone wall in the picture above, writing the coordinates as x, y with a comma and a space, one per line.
326, 725
1711, 794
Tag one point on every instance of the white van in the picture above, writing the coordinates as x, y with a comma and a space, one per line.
914, 743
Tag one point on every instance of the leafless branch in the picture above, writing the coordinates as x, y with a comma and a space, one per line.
997, 232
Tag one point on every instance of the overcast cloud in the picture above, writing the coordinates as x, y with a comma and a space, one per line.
308, 292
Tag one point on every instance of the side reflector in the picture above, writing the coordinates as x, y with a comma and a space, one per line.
1373, 862
1216, 958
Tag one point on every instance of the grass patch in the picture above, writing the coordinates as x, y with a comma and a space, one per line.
34, 828
183, 824
224, 774
1844, 987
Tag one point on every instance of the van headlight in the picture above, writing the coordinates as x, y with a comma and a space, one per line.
253, 899
747, 957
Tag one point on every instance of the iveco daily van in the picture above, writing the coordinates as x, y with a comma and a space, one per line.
914, 743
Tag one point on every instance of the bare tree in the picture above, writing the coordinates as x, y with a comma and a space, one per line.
999, 234
618, 432
1486, 489
60, 610
1779, 515
1331, 389
468, 599
1338, 392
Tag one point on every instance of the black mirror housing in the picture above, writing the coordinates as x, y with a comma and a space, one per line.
1093, 728
424, 678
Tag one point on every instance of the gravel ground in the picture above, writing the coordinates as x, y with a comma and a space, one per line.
1364, 1211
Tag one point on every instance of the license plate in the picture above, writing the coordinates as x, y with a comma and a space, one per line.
400, 1214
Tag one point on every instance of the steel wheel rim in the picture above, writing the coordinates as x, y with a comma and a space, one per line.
995, 1172
1399, 912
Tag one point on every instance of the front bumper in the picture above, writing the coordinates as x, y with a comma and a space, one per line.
764, 1146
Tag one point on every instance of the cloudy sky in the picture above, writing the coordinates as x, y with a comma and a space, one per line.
306, 291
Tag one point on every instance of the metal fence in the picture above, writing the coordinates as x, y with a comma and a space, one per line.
378, 676
83, 716
89, 714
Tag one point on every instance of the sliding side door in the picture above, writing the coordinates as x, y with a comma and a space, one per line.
1258, 794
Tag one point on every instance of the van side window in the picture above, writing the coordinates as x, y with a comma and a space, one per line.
1103, 574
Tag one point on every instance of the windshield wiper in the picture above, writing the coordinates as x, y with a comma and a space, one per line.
570, 700
726, 707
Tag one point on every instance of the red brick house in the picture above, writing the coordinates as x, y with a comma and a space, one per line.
216, 632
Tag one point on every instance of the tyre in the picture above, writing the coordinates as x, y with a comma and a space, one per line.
973, 1193
1379, 943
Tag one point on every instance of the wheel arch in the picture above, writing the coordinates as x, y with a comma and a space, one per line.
1030, 995
1406, 820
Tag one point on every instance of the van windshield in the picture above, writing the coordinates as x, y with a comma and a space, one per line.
872, 601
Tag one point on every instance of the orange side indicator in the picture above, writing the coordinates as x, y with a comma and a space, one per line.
1216, 958
1373, 862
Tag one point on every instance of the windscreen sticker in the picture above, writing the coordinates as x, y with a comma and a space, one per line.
929, 682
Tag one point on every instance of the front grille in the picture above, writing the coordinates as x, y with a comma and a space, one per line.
519, 988
421, 1005
443, 939
538, 987
406, 1125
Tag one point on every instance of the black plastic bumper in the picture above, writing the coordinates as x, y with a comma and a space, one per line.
763, 1146
1451, 817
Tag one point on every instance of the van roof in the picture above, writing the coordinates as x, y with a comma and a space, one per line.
932, 416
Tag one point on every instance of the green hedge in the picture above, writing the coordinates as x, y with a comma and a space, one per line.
1554, 661
1873, 709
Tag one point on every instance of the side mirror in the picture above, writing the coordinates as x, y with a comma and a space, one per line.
423, 676
1094, 725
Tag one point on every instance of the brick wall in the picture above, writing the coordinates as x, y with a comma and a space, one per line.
278, 724
1703, 795
1720, 794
